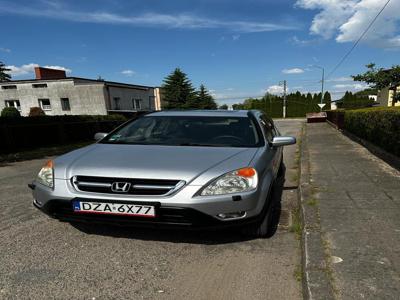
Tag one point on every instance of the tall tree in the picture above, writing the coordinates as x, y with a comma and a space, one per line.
3, 75
177, 90
380, 78
223, 106
203, 100
327, 100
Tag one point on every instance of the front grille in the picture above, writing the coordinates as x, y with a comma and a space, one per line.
130, 186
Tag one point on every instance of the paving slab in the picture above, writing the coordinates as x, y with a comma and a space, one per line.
357, 197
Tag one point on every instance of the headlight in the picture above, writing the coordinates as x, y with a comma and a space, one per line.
46, 174
241, 180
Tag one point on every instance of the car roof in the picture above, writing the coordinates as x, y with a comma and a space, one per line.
202, 113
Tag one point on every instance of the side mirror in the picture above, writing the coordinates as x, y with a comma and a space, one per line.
280, 141
100, 135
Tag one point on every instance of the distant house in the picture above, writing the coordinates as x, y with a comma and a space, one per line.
385, 96
58, 94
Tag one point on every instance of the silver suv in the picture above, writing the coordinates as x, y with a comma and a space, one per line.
194, 169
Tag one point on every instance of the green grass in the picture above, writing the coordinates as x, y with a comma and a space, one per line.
296, 226
312, 202
298, 273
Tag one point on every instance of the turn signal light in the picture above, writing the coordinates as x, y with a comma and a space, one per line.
246, 172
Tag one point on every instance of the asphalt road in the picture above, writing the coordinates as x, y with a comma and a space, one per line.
42, 258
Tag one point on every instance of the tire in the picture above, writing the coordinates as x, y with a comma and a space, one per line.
267, 227
261, 229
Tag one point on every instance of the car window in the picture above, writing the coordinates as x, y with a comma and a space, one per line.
188, 131
268, 128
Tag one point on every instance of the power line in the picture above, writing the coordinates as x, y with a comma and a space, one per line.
359, 39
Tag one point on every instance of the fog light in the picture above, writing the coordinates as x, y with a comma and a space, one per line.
37, 203
232, 215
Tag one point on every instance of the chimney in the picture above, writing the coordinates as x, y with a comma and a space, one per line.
46, 73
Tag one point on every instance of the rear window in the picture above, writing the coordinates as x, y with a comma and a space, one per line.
188, 131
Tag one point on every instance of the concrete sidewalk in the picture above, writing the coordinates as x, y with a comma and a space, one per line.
351, 211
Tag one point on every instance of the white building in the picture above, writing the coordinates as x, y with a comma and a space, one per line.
57, 94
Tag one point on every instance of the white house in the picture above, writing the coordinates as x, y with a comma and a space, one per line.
57, 94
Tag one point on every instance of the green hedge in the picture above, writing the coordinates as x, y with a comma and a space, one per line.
26, 133
380, 126
57, 119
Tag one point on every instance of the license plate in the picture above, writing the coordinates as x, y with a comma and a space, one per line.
114, 209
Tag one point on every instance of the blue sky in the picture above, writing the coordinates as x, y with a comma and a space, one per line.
236, 48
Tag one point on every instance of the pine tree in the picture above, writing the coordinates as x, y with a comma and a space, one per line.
177, 90
203, 100
309, 98
327, 100
3, 75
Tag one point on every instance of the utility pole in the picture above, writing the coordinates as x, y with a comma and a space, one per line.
284, 97
322, 85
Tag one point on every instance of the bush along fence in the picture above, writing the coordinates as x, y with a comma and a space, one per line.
380, 126
26, 133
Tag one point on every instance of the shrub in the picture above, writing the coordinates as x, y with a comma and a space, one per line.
380, 126
36, 112
10, 112
336, 117
24, 133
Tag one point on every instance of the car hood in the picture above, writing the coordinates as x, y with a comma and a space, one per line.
149, 161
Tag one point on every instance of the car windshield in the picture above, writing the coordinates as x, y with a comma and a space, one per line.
187, 131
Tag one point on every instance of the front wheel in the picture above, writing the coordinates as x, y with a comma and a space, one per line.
267, 226
263, 228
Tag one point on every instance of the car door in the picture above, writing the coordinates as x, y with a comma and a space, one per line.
270, 132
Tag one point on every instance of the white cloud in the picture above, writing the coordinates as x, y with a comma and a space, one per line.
21, 70
128, 73
333, 14
293, 71
340, 79
2, 49
235, 37
347, 19
275, 89
29, 68
300, 42
59, 68
182, 20
351, 87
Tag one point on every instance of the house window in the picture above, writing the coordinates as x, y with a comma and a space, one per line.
9, 87
45, 104
117, 103
65, 104
39, 85
137, 104
13, 103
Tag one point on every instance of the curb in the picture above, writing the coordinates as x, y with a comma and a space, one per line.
317, 283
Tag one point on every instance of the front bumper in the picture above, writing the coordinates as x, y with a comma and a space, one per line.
166, 217
178, 210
